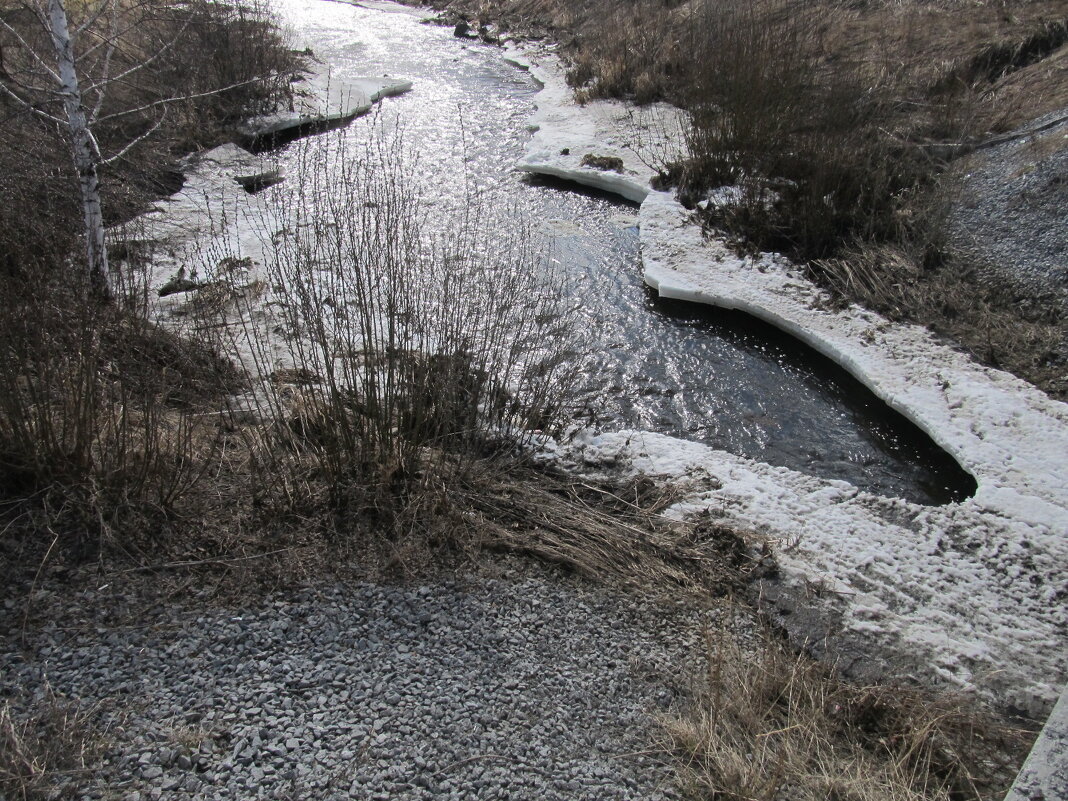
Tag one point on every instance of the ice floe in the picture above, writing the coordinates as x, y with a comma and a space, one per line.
564, 133
320, 104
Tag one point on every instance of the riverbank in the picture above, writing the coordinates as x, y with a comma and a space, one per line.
889, 221
902, 591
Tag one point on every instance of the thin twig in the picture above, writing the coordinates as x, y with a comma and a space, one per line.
199, 562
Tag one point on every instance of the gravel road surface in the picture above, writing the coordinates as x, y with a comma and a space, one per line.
524, 684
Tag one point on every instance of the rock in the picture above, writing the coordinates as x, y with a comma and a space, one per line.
605, 163
260, 181
404, 715
178, 284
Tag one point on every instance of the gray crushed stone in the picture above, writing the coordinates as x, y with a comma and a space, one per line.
1012, 215
530, 685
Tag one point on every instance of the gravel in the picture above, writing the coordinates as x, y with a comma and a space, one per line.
1011, 213
525, 685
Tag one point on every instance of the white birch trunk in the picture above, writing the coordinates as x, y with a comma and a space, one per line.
83, 149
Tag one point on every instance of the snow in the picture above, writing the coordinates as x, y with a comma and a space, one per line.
1045, 773
641, 138
324, 101
970, 594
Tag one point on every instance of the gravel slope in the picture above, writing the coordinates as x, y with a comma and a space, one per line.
1011, 213
527, 685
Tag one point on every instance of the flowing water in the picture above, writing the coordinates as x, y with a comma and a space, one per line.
681, 369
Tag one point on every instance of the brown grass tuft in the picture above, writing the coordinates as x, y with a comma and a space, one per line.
611, 533
1000, 327
45, 750
765, 724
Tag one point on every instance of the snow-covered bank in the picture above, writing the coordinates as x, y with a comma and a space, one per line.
973, 593
212, 238
564, 133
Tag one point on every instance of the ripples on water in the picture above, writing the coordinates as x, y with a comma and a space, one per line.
677, 368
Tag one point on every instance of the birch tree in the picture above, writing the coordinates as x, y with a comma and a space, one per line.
63, 77
83, 147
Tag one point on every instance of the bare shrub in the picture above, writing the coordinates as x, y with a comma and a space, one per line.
812, 151
100, 425
99, 413
626, 50
765, 724
421, 345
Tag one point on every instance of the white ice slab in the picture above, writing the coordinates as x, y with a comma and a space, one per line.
322, 102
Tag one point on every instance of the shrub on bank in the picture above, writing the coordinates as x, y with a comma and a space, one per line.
416, 348
96, 407
828, 133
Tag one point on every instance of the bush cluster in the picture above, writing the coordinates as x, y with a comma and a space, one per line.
96, 402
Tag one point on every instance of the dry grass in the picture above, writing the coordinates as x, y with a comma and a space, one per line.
610, 533
767, 724
999, 327
45, 750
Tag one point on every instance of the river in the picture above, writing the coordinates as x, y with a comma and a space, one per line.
692, 372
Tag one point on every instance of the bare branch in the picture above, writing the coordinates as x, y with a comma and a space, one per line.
11, 80
30, 50
141, 65
107, 66
93, 141
112, 38
167, 100
130, 145
33, 109
110, 4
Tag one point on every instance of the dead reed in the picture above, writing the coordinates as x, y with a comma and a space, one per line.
45, 750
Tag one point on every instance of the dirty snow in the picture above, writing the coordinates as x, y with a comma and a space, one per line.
971, 594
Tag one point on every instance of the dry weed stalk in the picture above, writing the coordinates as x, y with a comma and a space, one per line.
411, 347
44, 750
